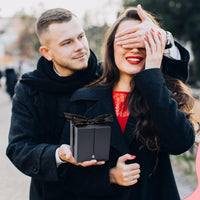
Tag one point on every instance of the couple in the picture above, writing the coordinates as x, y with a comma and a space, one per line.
150, 120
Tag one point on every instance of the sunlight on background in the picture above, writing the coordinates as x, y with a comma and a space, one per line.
100, 12
104, 9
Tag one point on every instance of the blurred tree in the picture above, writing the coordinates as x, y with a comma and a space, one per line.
28, 42
180, 17
95, 35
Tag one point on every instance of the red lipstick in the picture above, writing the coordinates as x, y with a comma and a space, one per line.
134, 60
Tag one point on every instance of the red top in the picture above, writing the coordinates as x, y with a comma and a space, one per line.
121, 108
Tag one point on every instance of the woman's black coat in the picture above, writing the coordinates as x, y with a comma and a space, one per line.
174, 130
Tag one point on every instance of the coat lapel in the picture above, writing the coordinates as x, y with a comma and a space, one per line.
105, 106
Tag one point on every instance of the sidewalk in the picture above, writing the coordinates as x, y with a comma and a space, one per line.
15, 186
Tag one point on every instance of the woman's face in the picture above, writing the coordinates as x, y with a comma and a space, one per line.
129, 61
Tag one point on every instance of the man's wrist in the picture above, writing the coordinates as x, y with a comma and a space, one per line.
58, 160
172, 52
169, 41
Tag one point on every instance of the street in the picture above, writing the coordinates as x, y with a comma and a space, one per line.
15, 186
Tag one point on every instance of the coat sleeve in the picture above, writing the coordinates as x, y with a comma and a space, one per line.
177, 68
173, 128
25, 149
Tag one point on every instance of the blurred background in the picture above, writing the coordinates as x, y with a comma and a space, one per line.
19, 54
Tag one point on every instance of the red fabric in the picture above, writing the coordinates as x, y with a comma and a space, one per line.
121, 108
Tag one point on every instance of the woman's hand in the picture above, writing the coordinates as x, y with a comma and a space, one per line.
125, 174
65, 154
133, 37
154, 49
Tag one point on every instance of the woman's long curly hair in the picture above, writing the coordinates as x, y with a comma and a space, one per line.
144, 131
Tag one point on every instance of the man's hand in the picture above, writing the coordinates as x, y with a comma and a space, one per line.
133, 37
65, 154
125, 174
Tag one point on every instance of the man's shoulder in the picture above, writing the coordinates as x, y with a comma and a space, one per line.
22, 90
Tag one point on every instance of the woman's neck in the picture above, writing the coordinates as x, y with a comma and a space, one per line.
124, 84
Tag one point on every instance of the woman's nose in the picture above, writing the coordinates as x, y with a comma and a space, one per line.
135, 50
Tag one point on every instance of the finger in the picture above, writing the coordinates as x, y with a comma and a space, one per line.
163, 34
133, 167
151, 42
147, 47
126, 157
131, 178
134, 46
161, 40
134, 172
88, 163
128, 174
129, 183
127, 31
157, 41
142, 14
100, 163
127, 42
126, 37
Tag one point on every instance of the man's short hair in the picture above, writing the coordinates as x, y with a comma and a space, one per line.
56, 15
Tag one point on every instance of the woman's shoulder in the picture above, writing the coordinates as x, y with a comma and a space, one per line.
89, 93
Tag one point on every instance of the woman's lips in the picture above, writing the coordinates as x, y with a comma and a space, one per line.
134, 60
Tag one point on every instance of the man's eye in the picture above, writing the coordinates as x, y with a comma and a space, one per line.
66, 43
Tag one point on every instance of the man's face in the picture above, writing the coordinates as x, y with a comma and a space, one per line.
67, 46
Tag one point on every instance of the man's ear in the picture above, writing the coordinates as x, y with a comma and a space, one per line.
45, 52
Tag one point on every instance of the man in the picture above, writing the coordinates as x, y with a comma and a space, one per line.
41, 99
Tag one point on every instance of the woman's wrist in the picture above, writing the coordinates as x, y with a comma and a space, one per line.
112, 177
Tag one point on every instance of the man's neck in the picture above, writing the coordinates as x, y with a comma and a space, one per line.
56, 71
61, 71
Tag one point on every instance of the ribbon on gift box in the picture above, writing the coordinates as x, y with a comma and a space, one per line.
79, 120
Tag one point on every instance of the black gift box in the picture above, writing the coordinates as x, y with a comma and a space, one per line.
90, 142
90, 139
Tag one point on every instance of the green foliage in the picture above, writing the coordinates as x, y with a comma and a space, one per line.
181, 17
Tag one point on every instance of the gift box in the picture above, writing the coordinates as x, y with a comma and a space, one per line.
89, 139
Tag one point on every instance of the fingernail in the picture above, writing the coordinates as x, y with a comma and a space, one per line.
147, 32
159, 33
132, 156
152, 30
145, 39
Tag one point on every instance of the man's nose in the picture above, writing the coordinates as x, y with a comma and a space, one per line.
78, 45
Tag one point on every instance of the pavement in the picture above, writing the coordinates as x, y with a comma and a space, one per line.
15, 186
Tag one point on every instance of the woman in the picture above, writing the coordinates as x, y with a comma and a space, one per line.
148, 125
